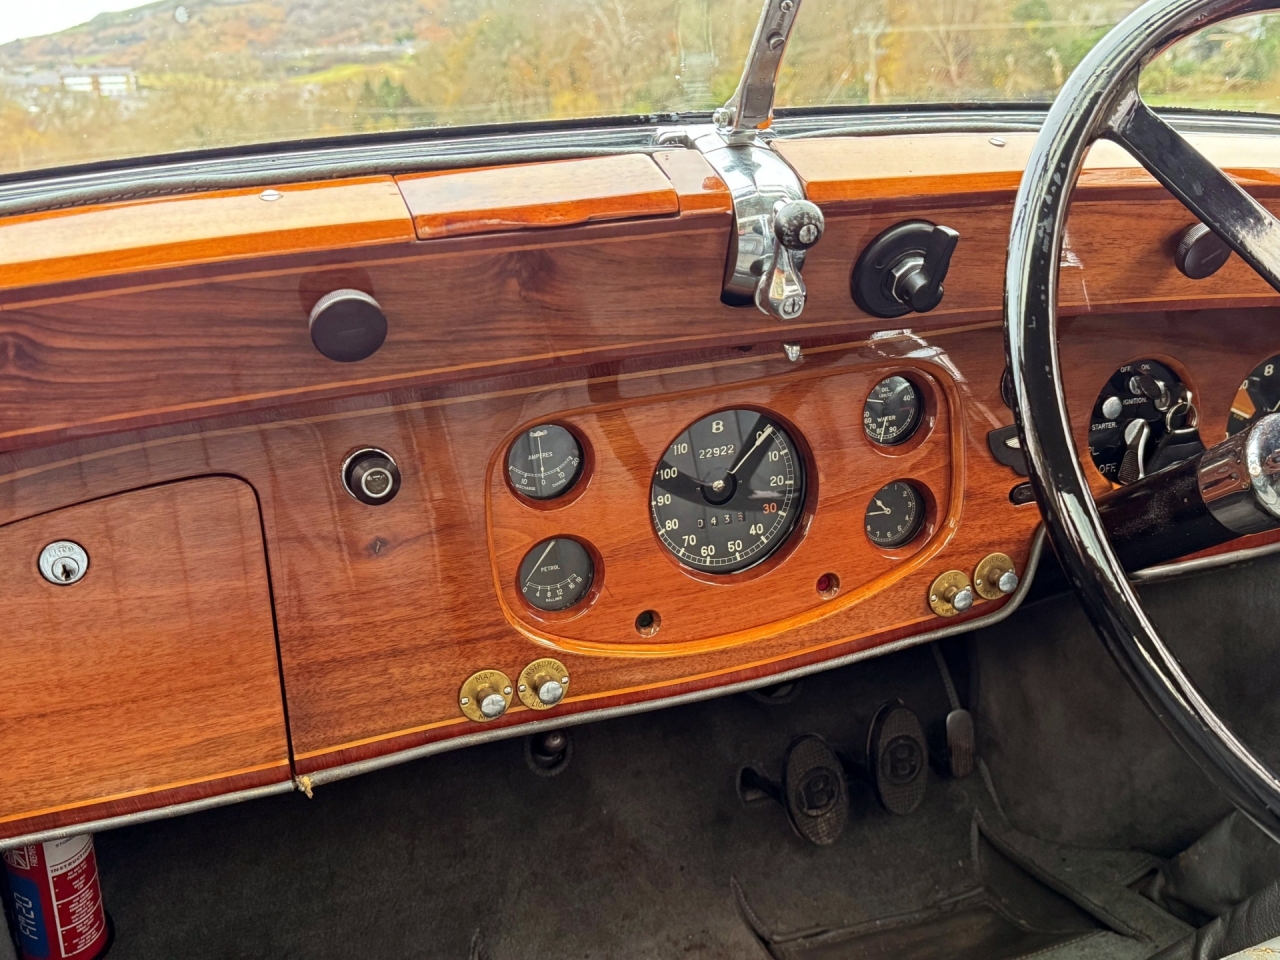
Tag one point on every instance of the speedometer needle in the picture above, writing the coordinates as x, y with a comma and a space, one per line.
539, 563
759, 440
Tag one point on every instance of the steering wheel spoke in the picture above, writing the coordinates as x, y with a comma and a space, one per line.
1217, 201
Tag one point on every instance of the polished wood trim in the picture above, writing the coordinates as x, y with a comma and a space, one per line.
698, 186
841, 169
156, 673
454, 203
227, 225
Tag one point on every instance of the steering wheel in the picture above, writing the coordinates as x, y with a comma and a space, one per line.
1101, 100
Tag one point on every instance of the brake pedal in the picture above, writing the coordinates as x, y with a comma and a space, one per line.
899, 758
817, 797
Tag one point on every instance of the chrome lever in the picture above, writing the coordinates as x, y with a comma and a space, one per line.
797, 226
750, 109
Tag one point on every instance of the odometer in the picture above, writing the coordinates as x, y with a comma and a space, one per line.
728, 492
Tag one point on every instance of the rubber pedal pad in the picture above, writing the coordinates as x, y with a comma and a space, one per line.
817, 797
899, 758
960, 743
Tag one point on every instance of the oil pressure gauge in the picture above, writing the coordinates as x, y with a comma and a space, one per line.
892, 411
544, 461
556, 574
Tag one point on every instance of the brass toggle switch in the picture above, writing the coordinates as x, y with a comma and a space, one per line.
951, 594
995, 576
485, 696
543, 684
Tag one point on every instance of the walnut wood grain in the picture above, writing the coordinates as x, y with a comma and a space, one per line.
842, 169
171, 232
698, 186
458, 202
154, 677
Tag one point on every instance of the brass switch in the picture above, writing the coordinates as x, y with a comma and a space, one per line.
543, 684
485, 696
995, 576
951, 594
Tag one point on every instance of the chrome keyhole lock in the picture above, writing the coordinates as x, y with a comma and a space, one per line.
63, 562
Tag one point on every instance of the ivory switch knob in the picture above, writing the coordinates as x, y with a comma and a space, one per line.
485, 695
951, 594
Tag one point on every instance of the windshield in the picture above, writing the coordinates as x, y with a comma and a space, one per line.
173, 76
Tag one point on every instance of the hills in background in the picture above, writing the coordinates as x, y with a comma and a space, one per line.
182, 74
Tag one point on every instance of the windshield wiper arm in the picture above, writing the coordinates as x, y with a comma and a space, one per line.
750, 109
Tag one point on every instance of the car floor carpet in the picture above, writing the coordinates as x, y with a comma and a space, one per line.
635, 850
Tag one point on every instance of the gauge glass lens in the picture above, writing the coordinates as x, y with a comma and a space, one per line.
728, 491
544, 462
1130, 418
891, 413
895, 514
556, 574
1257, 396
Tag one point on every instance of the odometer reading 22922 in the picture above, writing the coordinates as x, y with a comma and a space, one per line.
728, 492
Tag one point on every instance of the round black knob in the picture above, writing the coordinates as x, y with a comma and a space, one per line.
1201, 252
348, 325
371, 476
799, 224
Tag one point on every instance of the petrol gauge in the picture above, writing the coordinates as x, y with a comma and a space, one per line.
1258, 395
1143, 421
892, 411
556, 574
895, 514
728, 491
544, 461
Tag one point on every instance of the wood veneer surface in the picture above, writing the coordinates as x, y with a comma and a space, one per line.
155, 673
557, 193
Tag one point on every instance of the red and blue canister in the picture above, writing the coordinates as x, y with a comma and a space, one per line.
56, 900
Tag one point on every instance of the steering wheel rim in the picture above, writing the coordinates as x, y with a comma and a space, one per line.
1100, 100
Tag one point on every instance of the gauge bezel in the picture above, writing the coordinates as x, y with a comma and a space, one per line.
794, 537
586, 469
588, 599
922, 416
928, 523
1226, 427
927, 388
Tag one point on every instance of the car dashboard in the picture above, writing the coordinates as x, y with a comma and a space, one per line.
301, 480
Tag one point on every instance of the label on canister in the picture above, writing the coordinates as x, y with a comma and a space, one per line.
57, 900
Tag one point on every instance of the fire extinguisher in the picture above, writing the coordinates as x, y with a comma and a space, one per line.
55, 900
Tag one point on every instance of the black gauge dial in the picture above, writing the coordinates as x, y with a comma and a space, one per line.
1132, 414
891, 413
556, 574
544, 461
1257, 396
728, 492
895, 514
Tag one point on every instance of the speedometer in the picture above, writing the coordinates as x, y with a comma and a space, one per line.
728, 491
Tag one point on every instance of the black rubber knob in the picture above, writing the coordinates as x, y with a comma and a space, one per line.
348, 325
1201, 252
901, 270
799, 224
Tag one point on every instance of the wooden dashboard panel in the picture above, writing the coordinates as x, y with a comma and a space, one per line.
153, 678
113, 383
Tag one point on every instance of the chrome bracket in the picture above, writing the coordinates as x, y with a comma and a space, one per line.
765, 258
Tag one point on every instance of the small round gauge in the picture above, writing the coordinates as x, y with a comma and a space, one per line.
895, 514
728, 491
1131, 415
556, 574
1257, 396
544, 461
891, 413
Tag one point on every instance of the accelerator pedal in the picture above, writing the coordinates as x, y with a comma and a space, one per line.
960, 743
899, 758
817, 797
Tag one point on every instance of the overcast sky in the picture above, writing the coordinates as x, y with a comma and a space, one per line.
33, 18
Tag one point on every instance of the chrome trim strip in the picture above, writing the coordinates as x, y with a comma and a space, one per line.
142, 816
1178, 568
332, 774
